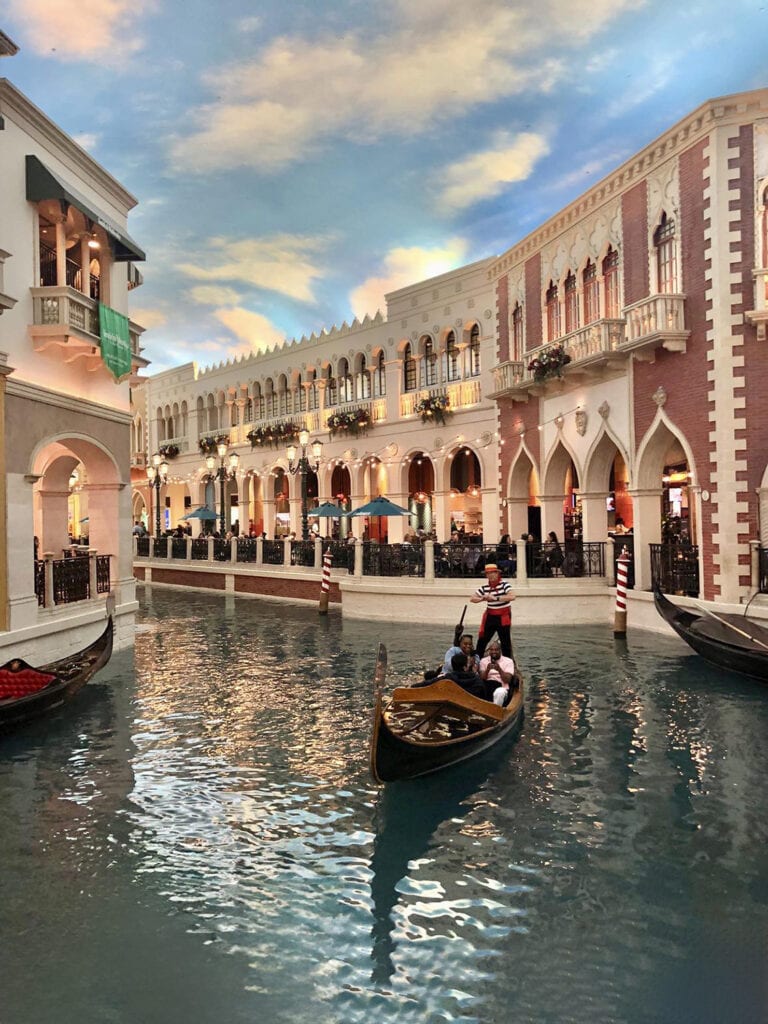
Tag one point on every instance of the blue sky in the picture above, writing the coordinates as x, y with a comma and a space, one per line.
294, 161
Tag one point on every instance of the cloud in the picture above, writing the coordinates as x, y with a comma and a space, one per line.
404, 266
484, 175
439, 60
282, 263
88, 140
148, 318
255, 330
80, 29
213, 295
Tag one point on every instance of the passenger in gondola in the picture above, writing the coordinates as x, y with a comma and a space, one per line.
498, 674
463, 676
465, 646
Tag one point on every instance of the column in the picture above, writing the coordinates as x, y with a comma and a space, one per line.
61, 253
646, 509
552, 514
593, 516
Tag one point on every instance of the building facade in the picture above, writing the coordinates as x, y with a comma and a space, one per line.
400, 404
600, 379
631, 334
66, 267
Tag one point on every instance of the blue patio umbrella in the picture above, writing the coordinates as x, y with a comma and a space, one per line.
381, 506
328, 511
203, 512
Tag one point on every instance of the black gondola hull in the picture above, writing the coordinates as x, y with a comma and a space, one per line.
69, 676
745, 656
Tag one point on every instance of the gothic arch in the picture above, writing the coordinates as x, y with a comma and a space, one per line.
661, 435
600, 457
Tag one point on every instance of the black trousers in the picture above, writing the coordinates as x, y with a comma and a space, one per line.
492, 625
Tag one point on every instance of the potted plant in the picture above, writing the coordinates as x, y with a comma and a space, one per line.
549, 363
434, 407
351, 421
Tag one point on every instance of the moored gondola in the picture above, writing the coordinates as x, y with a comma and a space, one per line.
423, 728
728, 641
27, 692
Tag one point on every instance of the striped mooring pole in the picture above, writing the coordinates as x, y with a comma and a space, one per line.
620, 616
325, 586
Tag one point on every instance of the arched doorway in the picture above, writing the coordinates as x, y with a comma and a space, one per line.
465, 501
421, 486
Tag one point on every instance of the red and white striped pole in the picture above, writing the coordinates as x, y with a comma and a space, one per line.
620, 616
325, 586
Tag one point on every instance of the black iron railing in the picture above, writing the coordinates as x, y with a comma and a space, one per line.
459, 560
222, 549
392, 559
303, 553
246, 549
159, 547
142, 546
71, 580
570, 559
40, 580
342, 554
178, 547
272, 552
102, 574
200, 549
762, 570
675, 568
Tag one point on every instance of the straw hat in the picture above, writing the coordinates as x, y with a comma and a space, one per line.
491, 567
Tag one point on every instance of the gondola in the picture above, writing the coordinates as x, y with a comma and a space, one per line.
27, 692
423, 728
728, 641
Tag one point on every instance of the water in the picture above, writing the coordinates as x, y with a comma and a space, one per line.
197, 839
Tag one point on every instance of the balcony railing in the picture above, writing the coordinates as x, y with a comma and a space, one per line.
461, 394
658, 321
71, 579
590, 348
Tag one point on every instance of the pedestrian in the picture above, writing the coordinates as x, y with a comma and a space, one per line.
497, 617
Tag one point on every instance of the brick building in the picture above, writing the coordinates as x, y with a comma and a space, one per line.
632, 354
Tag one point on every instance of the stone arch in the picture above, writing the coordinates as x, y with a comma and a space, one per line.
652, 450
597, 465
523, 491
556, 465
53, 462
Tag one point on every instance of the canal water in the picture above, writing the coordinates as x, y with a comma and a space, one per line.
197, 839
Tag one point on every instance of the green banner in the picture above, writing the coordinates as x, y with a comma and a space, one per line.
115, 341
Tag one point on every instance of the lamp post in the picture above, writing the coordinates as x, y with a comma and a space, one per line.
157, 474
302, 467
223, 473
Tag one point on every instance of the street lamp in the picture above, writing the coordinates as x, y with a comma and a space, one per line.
303, 466
223, 473
157, 474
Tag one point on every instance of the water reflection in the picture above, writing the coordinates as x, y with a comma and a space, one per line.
216, 803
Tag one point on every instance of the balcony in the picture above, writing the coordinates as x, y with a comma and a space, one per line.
593, 350
655, 322
758, 316
461, 394
66, 319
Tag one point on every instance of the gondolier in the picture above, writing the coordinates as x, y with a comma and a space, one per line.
497, 617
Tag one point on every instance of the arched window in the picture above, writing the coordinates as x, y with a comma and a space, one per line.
282, 395
764, 233
258, 403
591, 293
331, 391
571, 304
380, 377
452, 365
518, 341
363, 383
233, 408
553, 312
270, 398
213, 414
429, 363
666, 269
311, 392
248, 411
474, 351
346, 389
160, 424
409, 369
184, 419
611, 283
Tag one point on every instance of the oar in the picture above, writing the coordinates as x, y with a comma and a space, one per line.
459, 628
736, 629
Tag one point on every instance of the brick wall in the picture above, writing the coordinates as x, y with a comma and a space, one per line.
634, 230
502, 318
533, 326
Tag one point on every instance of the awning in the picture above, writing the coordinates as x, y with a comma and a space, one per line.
42, 183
